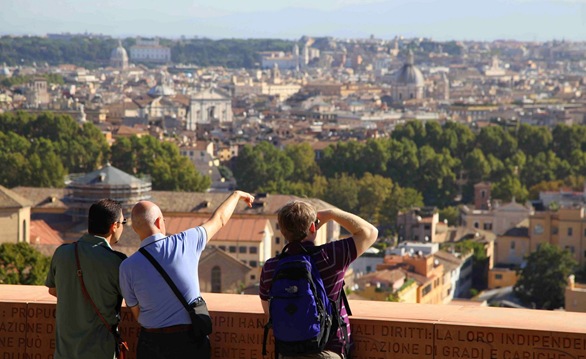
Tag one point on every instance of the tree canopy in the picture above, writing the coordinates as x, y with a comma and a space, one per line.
543, 280
20, 263
41, 150
169, 170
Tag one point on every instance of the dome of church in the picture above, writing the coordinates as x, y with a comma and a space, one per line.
161, 90
119, 57
409, 74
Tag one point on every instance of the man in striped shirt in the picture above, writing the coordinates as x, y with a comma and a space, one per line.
299, 222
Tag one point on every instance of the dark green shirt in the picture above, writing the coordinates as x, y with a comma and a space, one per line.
80, 332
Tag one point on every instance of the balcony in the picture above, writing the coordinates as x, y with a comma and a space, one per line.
380, 329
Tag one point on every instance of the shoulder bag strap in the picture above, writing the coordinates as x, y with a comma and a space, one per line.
86, 294
166, 277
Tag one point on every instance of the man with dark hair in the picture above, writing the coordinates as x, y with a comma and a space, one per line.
167, 330
80, 332
299, 222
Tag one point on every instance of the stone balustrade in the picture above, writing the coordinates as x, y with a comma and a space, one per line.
380, 329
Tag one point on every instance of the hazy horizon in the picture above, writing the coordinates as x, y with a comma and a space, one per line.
483, 20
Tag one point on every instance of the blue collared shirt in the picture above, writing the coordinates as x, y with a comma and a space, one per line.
143, 285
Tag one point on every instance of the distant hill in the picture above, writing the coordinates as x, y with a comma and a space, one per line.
93, 52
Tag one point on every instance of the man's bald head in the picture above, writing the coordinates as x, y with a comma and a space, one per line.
145, 215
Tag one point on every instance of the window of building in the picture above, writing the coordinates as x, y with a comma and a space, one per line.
554, 230
252, 277
252, 250
570, 231
242, 249
487, 226
253, 264
277, 253
277, 240
369, 268
232, 249
427, 227
498, 276
538, 229
476, 225
512, 244
216, 279
570, 249
426, 290
222, 248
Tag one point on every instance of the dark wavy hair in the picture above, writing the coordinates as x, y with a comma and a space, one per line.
102, 215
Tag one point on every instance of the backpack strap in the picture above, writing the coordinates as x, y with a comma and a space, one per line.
343, 326
266, 335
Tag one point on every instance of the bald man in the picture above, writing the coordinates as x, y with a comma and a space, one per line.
166, 327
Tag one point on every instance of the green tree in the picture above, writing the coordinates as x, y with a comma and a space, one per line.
400, 199
497, 141
20, 263
169, 170
342, 192
304, 166
373, 193
534, 139
542, 282
343, 157
451, 214
256, 167
412, 130
510, 187
566, 139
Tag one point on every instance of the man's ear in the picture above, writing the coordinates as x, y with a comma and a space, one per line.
158, 222
312, 228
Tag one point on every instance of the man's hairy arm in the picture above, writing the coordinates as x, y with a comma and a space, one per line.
364, 233
223, 213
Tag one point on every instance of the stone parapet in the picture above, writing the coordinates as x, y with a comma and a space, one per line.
380, 329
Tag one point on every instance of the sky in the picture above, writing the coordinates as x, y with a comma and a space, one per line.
442, 20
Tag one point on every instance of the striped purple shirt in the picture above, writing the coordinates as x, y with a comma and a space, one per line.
332, 260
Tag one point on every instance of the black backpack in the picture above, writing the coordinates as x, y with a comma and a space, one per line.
301, 315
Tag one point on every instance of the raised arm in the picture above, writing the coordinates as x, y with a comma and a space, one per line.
223, 213
364, 233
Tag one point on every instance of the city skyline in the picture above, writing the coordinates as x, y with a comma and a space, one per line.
524, 20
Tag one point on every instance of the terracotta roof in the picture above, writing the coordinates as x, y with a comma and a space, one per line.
41, 233
383, 276
129, 131
11, 199
237, 229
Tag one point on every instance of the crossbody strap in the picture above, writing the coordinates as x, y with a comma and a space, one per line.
166, 277
86, 294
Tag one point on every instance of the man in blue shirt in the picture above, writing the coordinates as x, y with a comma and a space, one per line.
167, 330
